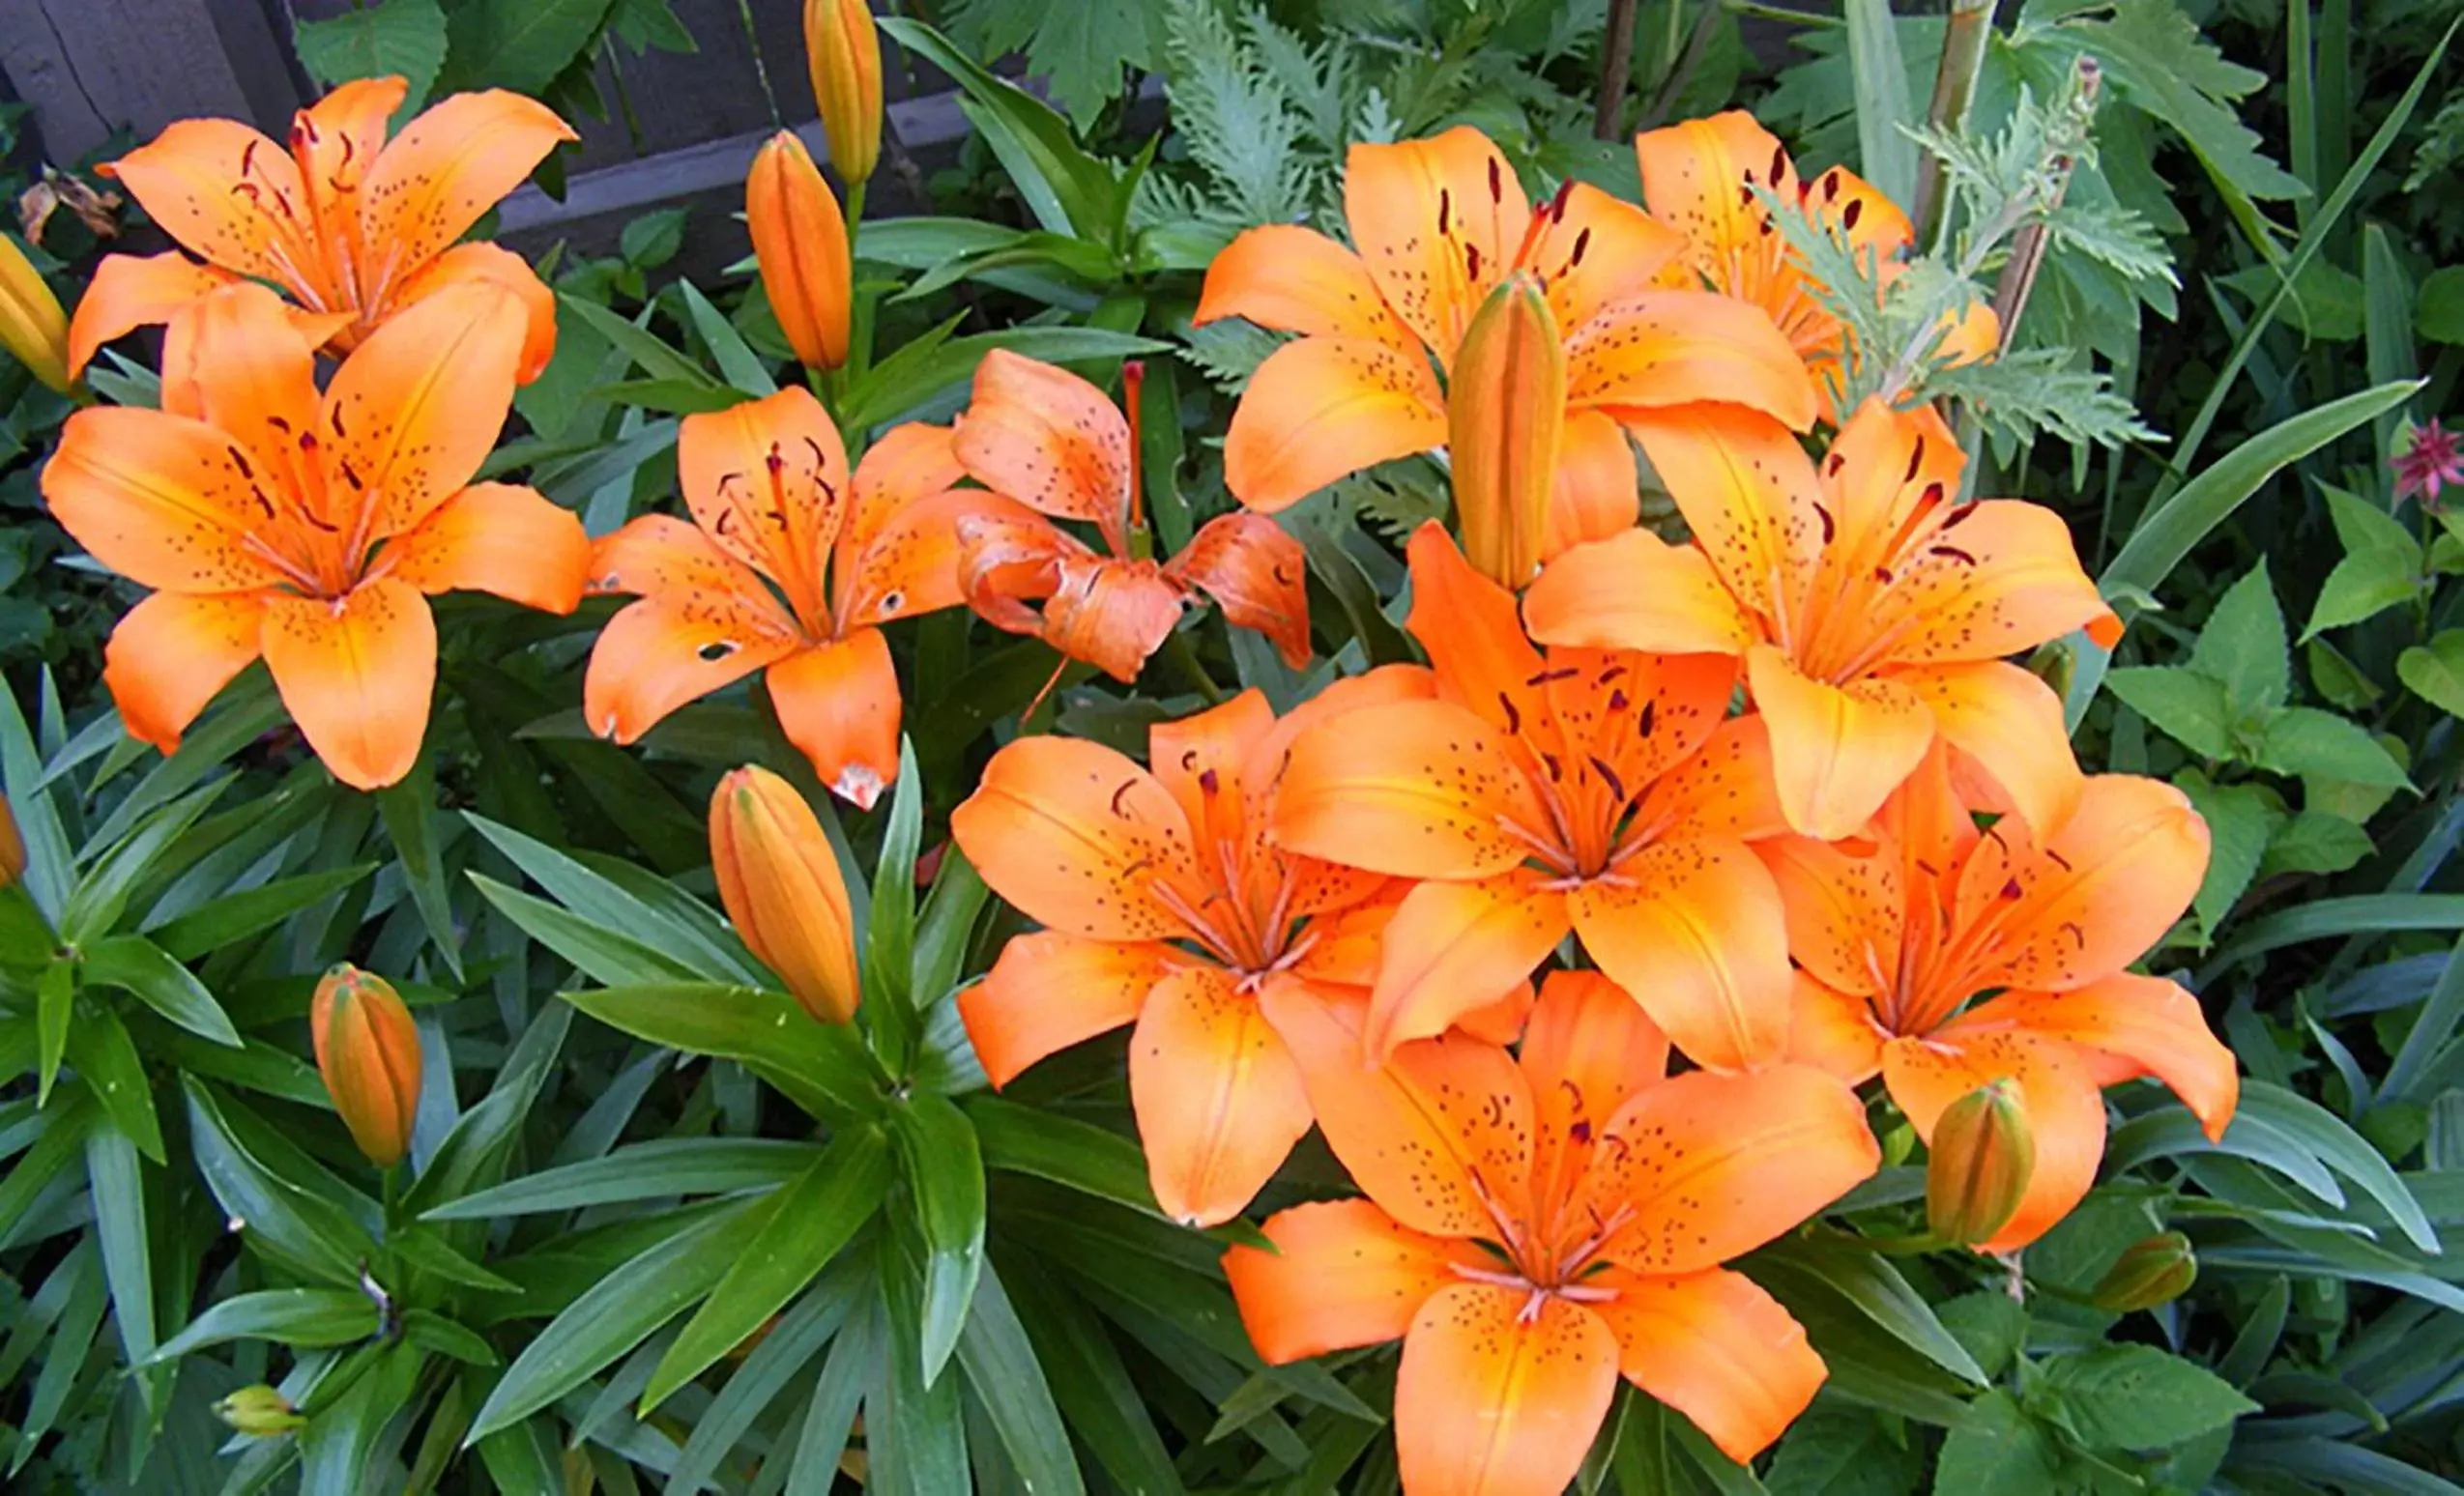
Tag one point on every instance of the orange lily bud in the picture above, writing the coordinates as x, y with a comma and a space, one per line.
259, 1412
780, 883
2156, 1271
12, 846
1505, 411
799, 241
368, 1053
32, 325
844, 51
1984, 1156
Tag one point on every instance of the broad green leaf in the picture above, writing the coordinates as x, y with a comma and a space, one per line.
602, 954
2438, 306
2239, 821
948, 924
1884, 109
107, 1059
2305, 740
297, 1317
2435, 671
944, 1174
915, 1428
1077, 47
2342, 1150
812, 1218
625, 898
2326, 302
2432, 1029
2183, 703
642, 1172
1838, 1450
102, 896
403, 38
656, 357
1996, 1450
1085, 1158
2340, 679
1866, 1282
232, 918
2381, 565
2243, 647
854, 1366
2323, 919
2138, 1398
60, 1143
2388, 323
2315, 842
821, 1067
136, 965
617, 1312
520, 44
432, 1331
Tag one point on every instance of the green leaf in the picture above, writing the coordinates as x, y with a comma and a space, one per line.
136, 965
950, 909
1078, 47
2138, 1398
107, 1060
597, 952
295, 1224
643, 1172
2305, 740
2340, 679
2243, 647
1996, 1451
116, 1185
820, 1067
2341, 1149
2183, 703
809, 1221
234, 917
2438, 307
2315, 842
1867, 1283
521, 44
944, 1174
1024, 1140
744, 367
2241, 818
617, 1313
644, 347
2160, 63
404, 37
432, 1331
2435, 671
1884, 109
2381, 565
298, 1317
1004, 1373
917, 374
914, 1426
55, 1000
890, 947
1833, 1451
409, 809
2326, 302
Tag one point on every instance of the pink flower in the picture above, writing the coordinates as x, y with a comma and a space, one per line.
2434, 459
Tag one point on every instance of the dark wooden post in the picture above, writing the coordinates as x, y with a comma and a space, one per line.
92, 67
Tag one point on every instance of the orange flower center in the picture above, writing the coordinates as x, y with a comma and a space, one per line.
316, 514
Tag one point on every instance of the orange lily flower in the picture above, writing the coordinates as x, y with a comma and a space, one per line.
1168, 905
1589, 791
352, 227
785, 566
1873, 609
273, 521
1700, 175
1051, 442
1895, 936
1439, 224
1535, 1226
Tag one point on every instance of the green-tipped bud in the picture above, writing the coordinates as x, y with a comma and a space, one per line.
1984, 1156
259, 1412
2156, 1271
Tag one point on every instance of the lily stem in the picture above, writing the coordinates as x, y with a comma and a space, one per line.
1185, 662
1616, 64
1969, 26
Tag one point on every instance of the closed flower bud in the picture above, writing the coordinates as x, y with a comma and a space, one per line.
12, 848
32, 325
800, 242
1984, 1156
1505, 411
844, 51
780, 883
2154, 1272
258, 1411
368, 1051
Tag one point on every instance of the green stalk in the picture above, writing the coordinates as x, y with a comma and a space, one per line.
1955, 84
1616, 63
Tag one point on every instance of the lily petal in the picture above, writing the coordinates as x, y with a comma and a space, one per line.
1596, 495
1455, 948
1321, 408
1219, 1098
357, 675
1078, 838
228, 196
1846, 903
1049, 990
1112, 614
2095, 895
2011, 723
415, 409
1050, 439
1678, 348
1634, 590
1716, 1348
505, 538
1746, 491
1467, 624
165, 500
1437, 222
671, 648
1588, 1049
172, 653
131, 291
1410, 789
1344, 1273
1834, 1032
499, 267
1294, 279
838, 703
1694, 931
2002, 578
1501, 1394
1256, 573
449, 166
2128, 1025
1837, 752
768, 482
912, 564
1593, 249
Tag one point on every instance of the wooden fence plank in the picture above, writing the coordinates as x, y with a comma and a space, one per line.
92, 67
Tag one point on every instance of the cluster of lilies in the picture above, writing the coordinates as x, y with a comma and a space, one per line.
1772, 801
